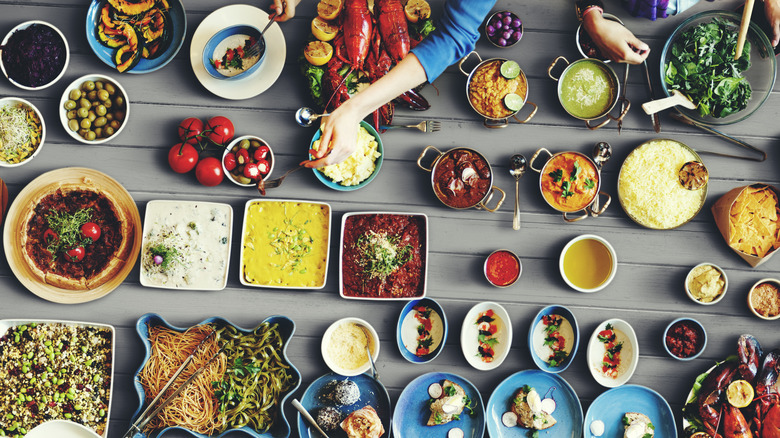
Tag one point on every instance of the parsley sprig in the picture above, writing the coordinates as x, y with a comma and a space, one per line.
68, 229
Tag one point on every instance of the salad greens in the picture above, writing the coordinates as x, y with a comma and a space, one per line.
702, 67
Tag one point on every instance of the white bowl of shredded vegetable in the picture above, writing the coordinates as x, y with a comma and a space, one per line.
22, 131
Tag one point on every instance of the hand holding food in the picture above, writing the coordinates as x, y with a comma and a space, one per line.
340, 133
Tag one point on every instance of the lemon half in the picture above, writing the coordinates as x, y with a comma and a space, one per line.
740, 393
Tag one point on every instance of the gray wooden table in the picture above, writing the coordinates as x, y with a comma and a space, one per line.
647, 291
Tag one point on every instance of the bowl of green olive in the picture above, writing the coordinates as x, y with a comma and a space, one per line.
94, 109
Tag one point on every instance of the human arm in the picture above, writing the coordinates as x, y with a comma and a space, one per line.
284, 9
772, 9
614, 40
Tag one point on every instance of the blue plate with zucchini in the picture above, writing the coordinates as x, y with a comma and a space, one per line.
247, 364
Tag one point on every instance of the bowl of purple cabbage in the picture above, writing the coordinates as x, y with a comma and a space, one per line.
35, 55
504, 29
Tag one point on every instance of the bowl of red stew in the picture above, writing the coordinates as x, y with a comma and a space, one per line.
462, 178
685, 339
502, 268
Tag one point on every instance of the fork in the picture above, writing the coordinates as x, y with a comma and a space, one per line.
262, 186
254, 49
427, 126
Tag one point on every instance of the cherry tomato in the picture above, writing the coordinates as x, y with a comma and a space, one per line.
91, 231
229, 161
182, 157
209, 171
261, 152
251, 171
50, 236
190, 129
219, 130
242, 156
263, 166
76, 254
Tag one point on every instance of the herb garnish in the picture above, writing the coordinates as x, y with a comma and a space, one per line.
575, 171
589, 183
381, 254
68, 229
565, 192
291, 241
556, 175
168, 254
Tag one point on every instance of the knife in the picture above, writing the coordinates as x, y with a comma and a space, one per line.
653, 117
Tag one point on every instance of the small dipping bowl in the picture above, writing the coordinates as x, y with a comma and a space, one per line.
23, 27
502, 268
255, 143
406, 332
331, 344
756, 298
681, 335
61, 429
692, 283
230, 38
14, 102
507, 29
588, 263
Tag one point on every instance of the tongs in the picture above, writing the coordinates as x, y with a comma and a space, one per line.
154, 408
687, 120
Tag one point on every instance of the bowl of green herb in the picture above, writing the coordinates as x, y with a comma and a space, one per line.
698, 60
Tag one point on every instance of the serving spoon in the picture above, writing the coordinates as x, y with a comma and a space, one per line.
306, 116
602, 152
517, 169
305, 414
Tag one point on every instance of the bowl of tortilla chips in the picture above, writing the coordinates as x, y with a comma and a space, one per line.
706, 283
748, 218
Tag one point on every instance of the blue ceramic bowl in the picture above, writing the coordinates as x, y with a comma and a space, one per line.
280, 429
173, 40
230, 38
698, 326
407, 323
537, 326
372, 393
336, 186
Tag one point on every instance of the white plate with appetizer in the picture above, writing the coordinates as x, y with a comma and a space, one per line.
486, 336
186, 245
440, 405
630, 411
547, 404
613, 353
553, 338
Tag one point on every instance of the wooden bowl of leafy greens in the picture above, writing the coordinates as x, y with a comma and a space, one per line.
741, 86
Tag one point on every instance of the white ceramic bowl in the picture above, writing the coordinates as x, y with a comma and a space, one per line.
234, 143
689, 278
629, 352
469, 334
13, 101
328, 337
61, 429
25, 25
612, 254
750, 296
77, 84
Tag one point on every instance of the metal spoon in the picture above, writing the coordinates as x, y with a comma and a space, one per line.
517, 169
305, 414
306, 116
374, 372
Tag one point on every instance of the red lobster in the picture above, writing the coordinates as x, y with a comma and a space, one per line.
766, 405
392, 25
358, 27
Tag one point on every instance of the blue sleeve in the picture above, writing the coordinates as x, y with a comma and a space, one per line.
456, 34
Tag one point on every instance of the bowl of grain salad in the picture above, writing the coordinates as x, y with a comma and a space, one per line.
22, 131
497, 89
764, 299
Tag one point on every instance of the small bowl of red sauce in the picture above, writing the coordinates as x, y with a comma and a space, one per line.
502, 268
685, 339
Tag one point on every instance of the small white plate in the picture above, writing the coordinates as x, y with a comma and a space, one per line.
255, 83
61, 429
469, 336
630, 352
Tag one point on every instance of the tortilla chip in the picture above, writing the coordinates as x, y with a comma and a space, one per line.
753, 221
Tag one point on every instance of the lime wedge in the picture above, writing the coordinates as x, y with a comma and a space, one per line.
510, 69
513, 101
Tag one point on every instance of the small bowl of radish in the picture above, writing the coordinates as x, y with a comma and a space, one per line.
247, 160
504, 29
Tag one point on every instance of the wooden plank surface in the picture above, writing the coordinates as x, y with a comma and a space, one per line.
647, 291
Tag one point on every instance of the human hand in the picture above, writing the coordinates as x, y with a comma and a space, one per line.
772, 9
284, 9
338, 140
615, 41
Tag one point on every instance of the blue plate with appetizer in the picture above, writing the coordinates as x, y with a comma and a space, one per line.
553, 338
436, 403
534, 401
230, 356
641, 406
422, 330
338, 402
234, 52
136, 37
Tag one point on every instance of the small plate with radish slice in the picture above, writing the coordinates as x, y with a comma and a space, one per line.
555, 397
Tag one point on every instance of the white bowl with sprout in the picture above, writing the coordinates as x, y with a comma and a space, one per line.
22, 131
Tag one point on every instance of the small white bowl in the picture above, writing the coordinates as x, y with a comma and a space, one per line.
327, 338
77, 84
613, 256
596, 351
469, 336
13, 101
23, 26
689, 278
702, 343
61, 429
776, 283
234, 143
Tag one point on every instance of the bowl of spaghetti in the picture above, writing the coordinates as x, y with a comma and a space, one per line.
210, 406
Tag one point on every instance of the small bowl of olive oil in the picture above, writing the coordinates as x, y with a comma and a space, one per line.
588, 263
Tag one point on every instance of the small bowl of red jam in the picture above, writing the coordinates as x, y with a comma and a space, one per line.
685, 339
502, 268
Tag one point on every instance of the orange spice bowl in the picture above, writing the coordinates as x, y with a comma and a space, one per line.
502, 268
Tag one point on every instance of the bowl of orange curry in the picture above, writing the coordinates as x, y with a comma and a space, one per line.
570, 182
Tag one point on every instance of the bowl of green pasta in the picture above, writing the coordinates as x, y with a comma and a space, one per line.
698, 59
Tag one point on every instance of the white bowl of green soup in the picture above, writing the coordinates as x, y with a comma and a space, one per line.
588, 89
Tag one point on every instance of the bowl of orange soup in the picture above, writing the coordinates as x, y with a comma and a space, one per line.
588, 263
570, 183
